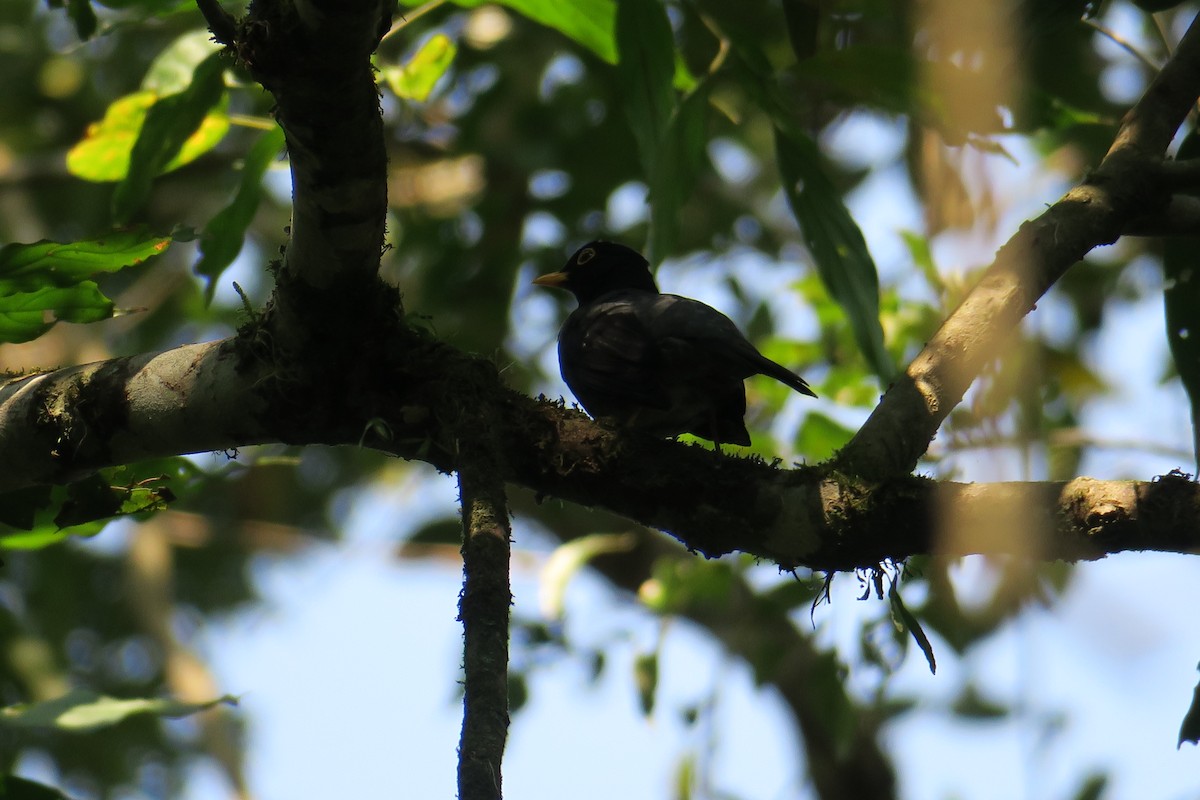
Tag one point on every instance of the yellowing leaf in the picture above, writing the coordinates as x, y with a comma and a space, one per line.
416, 79
103, 153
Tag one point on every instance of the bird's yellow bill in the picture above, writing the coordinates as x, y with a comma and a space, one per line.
551, 279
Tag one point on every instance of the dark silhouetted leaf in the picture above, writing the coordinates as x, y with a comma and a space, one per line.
1189, 731
18, 508
222, 238
904, 617
646, 69
1181, 296
675, 168
802, 18
14, 788
842, 259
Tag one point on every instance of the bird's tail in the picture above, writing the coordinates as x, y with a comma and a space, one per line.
785, 376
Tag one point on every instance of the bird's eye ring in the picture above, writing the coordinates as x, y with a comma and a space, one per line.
585, 255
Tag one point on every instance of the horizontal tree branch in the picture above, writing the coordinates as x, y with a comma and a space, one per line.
431, 399
59, 426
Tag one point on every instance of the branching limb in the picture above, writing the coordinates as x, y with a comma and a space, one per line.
484, 612
1180, 217
314, 57
220, 22
1180, 175
1095, 213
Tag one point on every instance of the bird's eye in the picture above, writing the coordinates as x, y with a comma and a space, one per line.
585, 255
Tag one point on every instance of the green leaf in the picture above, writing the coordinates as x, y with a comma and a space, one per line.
14, 788
44, 536
19, 507
686, 586
883, 77
588, 22
171, 70
904, 618
222, 238
568, 559
82, 509
27, 315
922, 258
1092, 788
169, 123
81, 13
27, 267
646, 70
415, 80
802, 18
85, 710
971, 704
820, 436
674, 170
836, 243
103, 153
645, 676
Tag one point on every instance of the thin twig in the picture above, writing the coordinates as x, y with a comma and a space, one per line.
1123, 43
412, 16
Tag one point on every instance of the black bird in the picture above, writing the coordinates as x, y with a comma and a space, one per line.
654, 362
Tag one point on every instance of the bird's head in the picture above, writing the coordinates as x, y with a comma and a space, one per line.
598, 268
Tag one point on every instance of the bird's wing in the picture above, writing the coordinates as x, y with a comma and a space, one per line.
697, 335
609, 356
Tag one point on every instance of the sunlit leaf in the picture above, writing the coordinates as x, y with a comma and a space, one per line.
94, 498
27, 315
415, 80
103, 154
44, 536
171, 70
84, 710
25, 267
222, 238
842, 259
168, 124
